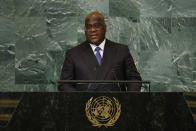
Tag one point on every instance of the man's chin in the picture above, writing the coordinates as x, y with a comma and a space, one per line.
94, 42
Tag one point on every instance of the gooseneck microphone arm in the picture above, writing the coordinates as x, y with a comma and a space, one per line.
116, 78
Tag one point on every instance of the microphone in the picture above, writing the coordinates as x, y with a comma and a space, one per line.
93, 86
116, 78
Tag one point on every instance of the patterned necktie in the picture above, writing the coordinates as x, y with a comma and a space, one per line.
98, 55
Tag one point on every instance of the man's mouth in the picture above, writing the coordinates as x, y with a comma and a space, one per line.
93, 36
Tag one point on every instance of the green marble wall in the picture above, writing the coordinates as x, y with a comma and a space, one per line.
34, 35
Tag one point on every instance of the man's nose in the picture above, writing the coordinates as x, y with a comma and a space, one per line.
93, 29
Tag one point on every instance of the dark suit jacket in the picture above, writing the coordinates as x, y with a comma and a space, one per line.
81, 64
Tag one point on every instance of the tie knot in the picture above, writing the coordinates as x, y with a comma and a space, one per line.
97, 49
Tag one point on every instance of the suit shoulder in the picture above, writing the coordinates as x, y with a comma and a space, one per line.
118, 45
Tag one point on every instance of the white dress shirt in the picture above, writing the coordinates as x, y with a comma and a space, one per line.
102, 45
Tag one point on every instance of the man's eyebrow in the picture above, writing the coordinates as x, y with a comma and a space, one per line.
94, 23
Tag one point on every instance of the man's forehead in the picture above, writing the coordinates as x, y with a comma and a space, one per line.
94, 17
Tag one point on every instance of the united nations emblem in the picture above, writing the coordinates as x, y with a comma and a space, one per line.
103, 111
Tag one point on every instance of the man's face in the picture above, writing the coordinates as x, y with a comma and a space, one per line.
95, 30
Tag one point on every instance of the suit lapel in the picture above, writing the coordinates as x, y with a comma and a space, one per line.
107, 60
94, 70
90, 60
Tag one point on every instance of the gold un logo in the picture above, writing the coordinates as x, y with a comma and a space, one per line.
103, 111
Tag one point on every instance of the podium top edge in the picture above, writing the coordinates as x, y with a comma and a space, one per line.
103, 81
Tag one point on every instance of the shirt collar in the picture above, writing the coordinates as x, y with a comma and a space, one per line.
102, 45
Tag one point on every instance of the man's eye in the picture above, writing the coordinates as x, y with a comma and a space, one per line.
97, 25
88, 26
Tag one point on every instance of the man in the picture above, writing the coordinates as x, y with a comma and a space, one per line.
98, 59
